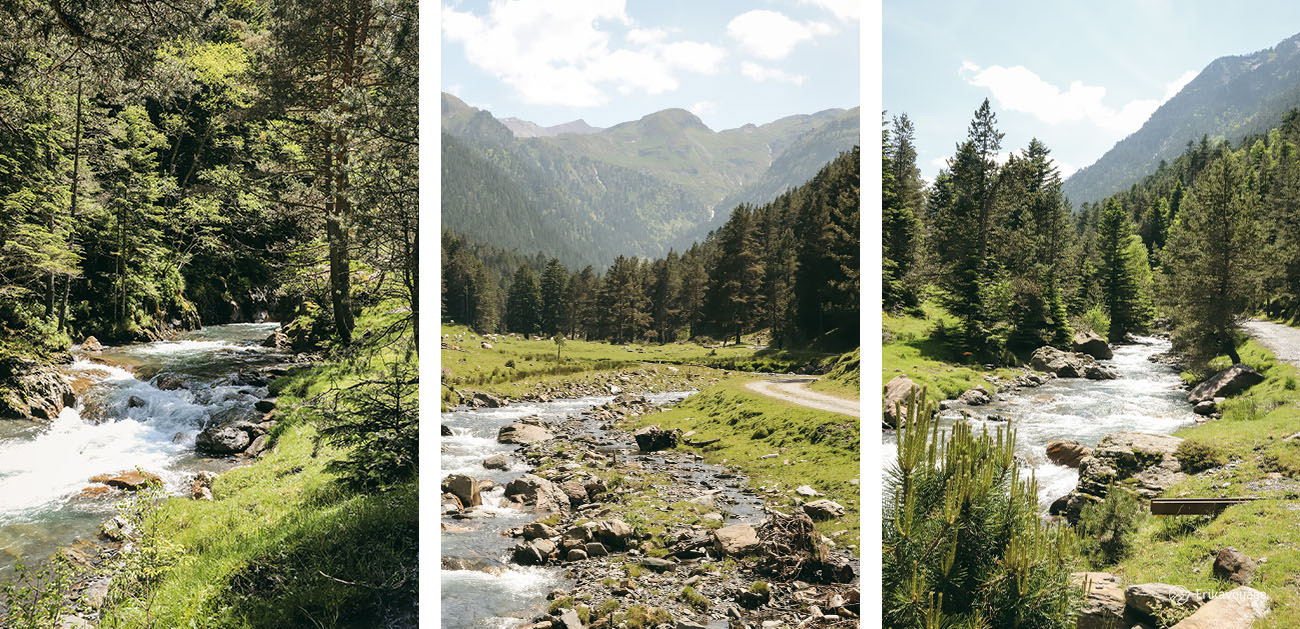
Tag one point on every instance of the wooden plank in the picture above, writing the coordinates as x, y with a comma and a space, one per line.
1193, 506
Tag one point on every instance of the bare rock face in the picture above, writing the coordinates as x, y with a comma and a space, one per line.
1233, 565
1230, 381
1091, 344
898, 391
523, 434
1238, 608
32, 391
1067, 452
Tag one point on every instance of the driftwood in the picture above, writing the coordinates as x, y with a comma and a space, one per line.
791, 549
700, 444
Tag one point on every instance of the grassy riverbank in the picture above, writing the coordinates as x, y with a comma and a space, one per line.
844, 378
812, 447
284, 543
913, 346
1250, 441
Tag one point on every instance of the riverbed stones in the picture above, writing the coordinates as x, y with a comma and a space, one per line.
654, 439
569, 620
575, 491
1144, 462
1152, 599
522, 433
1238, 608
1230, 381
614, 533
806, 491
258, 446
479, 399
465, 488
576, 554
534, 552
497, 462
129, 480
538, 530
977, 396
168, 382
1067, 452
736, 539
823, 509
1069, 364
544, 495
1233, 565
898, 391
596, 549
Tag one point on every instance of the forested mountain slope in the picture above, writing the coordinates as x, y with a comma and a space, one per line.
637, 188
1231, 98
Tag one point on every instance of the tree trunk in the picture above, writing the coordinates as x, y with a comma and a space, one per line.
72, 210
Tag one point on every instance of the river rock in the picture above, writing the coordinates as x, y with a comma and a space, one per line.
736, 539
1233, 565
33, 391
1205, 408
276, 340
523, 434
575, 491
658, 565
464, 488
258, 446
1097, 372
135, 401
484, 400
91, 344
1092, 344
1238, 608
497, 462
266, 405
614, 533
1230, 381
977, 396
823, 509
130, 480
806, 491
229, 438
1103, 604
569, 620
1150, 599
898, 391
576, 554
538, 530
544, 495
654, 438
446, 432
168, 382
1067, 452
533, 553
1146, 460
596, 549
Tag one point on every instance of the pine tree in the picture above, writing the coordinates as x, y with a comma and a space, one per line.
524, 304
554, 282
1214, 259
1121, 267
735, 292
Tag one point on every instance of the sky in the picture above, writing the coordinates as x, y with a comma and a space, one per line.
1079, 77
609, 61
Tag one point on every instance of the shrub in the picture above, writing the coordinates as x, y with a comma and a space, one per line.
35, 597
1107, 529
1197, 456
378, 421
963, 543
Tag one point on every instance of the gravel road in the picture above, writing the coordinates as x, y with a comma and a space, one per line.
795, 390
1282, 340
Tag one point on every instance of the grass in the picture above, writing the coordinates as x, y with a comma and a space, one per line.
1250, 436
913, 347
283, 544
844, 377
821, 448
514, 364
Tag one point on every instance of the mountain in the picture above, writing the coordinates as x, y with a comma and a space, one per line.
1233, 97
637, 188
526, 129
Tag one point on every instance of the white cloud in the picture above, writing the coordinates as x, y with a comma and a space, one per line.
560, 53
703, 107
760, 74
772, 35
845, 10
1020, 89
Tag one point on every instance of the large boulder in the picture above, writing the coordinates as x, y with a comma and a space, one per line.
1238, 608
32, 391
465, 488
1152, 599
898, 391
1103, 603
736, 539
1067, 452
1068, 364
227, 438
531, 489
485, 400
654, 438
1232, 380
1145, 462
523, 433
977, 396
614, 533
1233, 565
1092, 344
497, 462
91, 344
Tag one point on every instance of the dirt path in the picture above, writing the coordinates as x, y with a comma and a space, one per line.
795, 390
1282, 340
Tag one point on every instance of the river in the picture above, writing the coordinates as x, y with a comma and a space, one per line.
1147, 397
45, 466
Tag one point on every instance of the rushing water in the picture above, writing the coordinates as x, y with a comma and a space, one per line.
480, 587
122, 421
1147, 397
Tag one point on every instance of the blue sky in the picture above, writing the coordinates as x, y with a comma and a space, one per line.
1080, 76
607, 61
